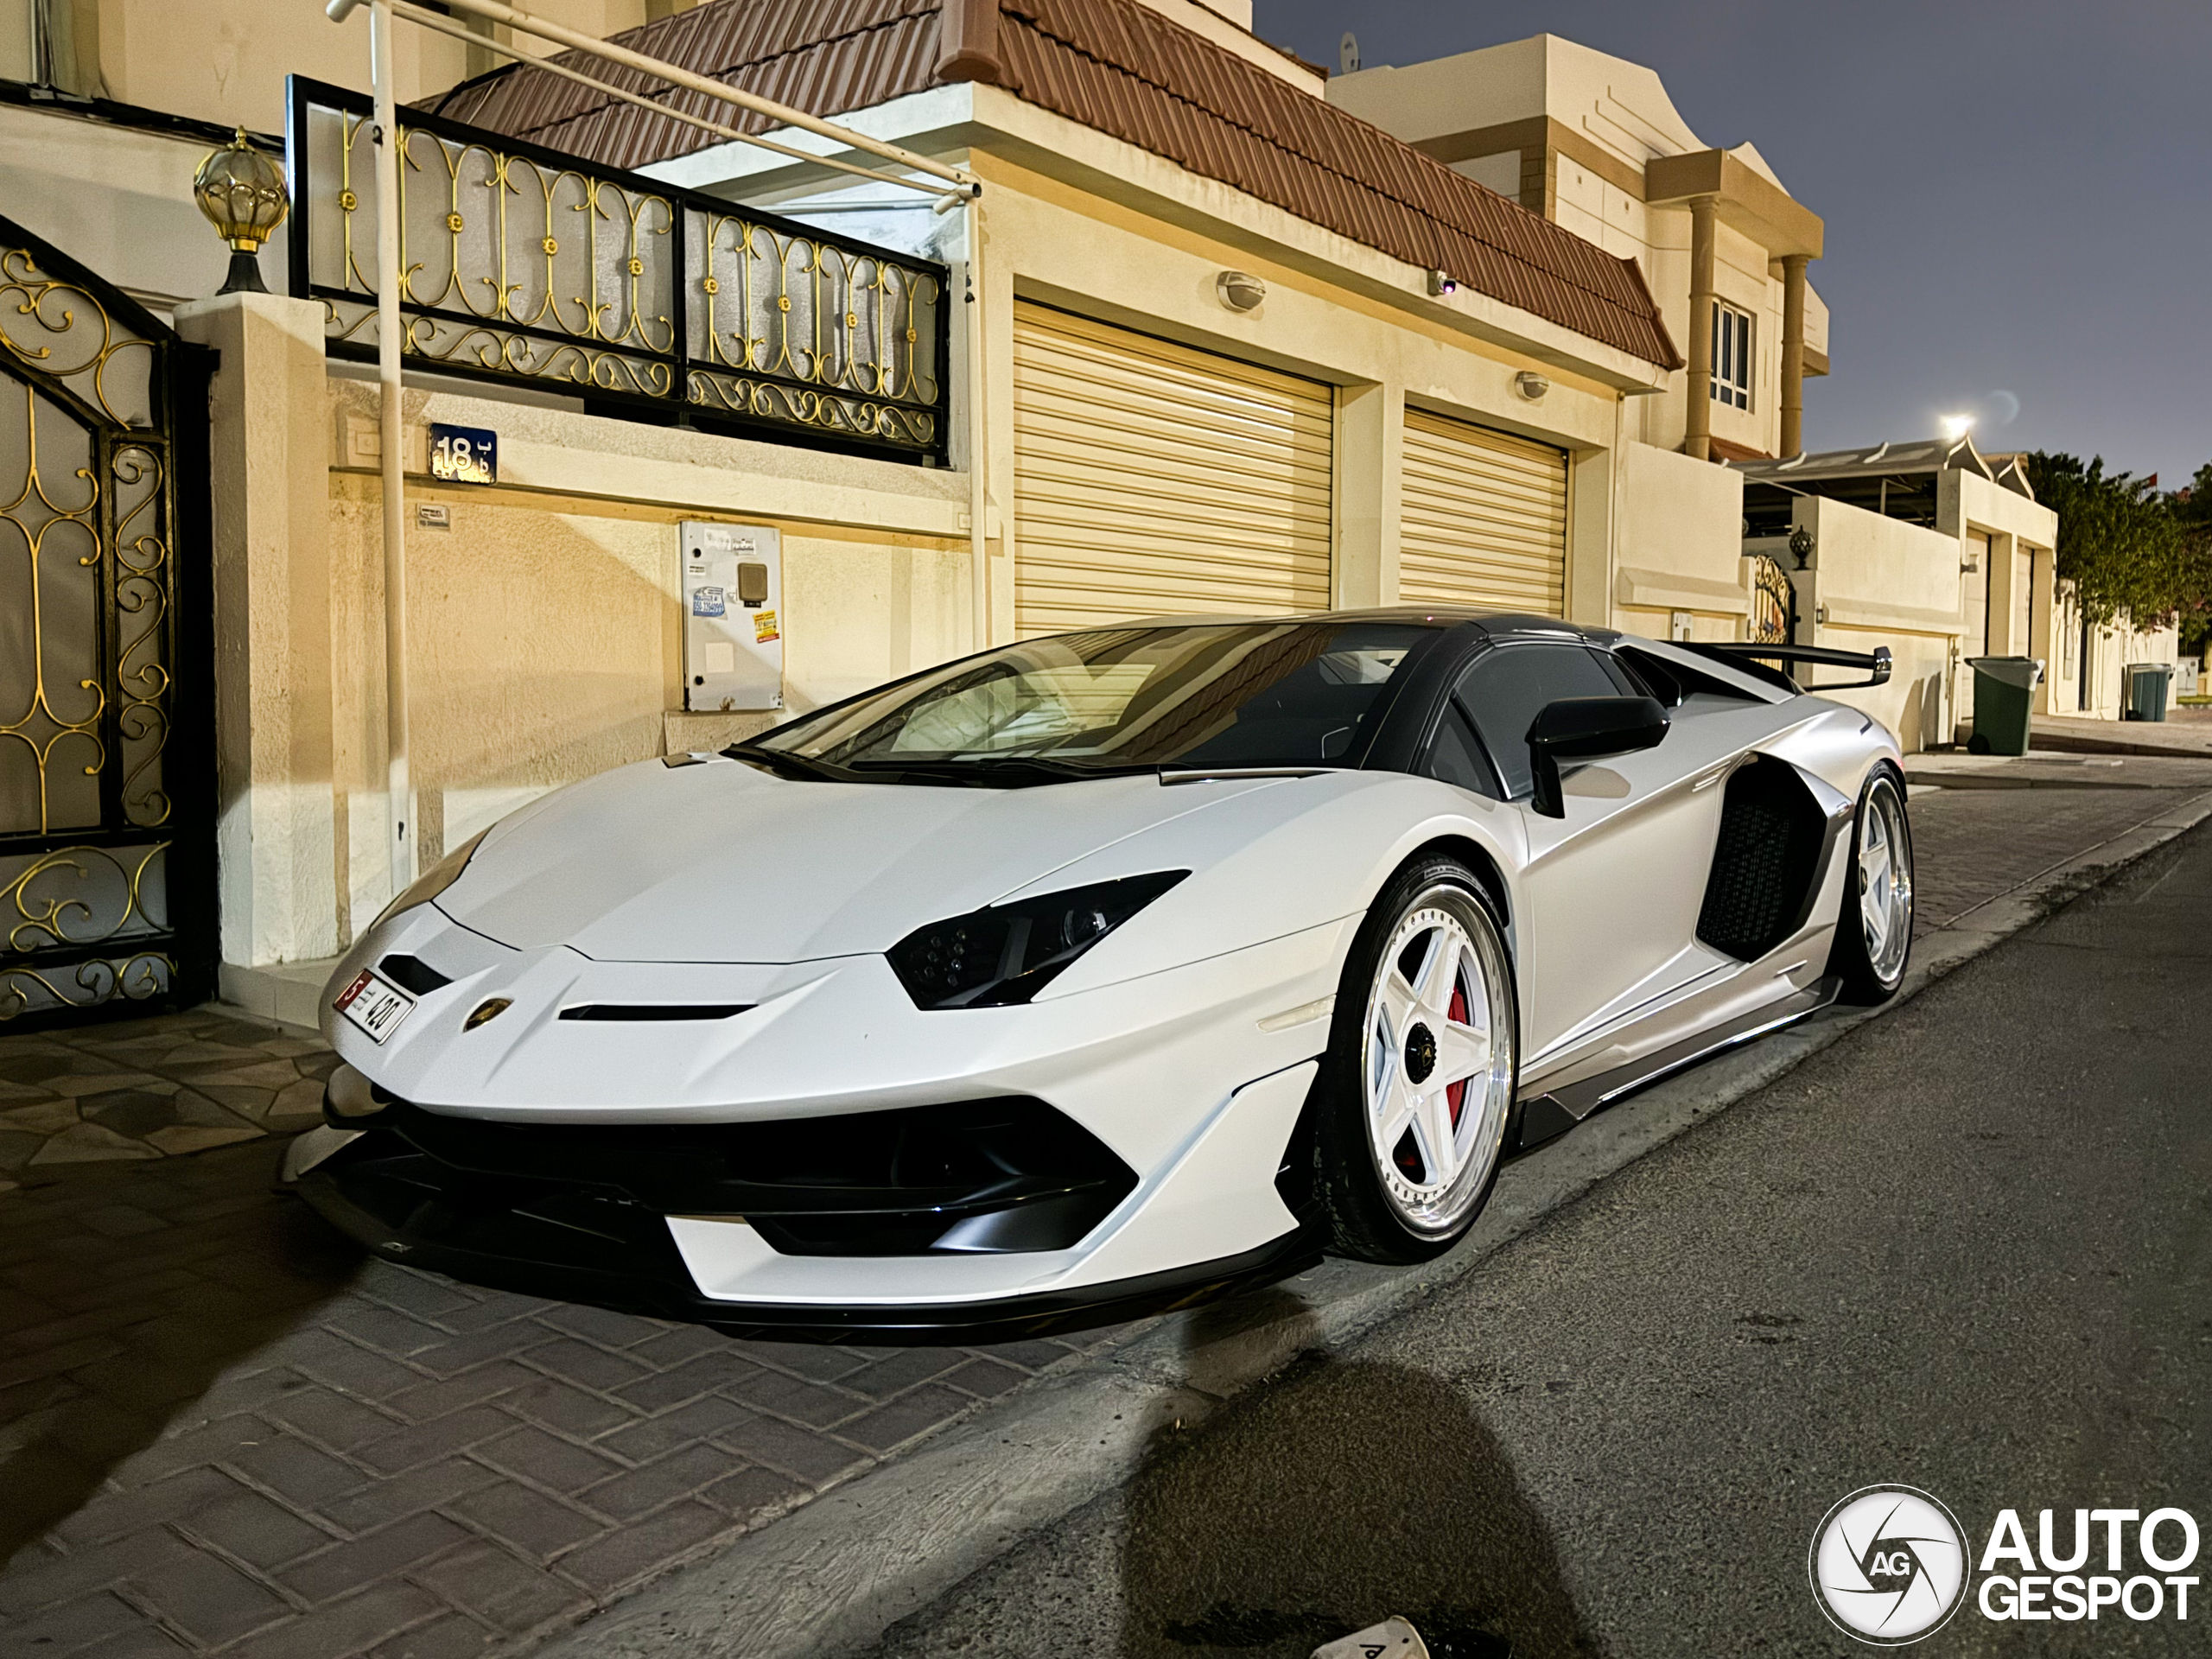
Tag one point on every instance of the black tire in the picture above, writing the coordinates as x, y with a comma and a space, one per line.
1871, 965
1374, 1214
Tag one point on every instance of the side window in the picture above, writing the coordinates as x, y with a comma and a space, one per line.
1627, 682
1505, 689
1457, 757
1647, 676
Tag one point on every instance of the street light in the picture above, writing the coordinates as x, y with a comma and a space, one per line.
242, 195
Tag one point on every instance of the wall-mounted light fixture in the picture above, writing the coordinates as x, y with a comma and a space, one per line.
1441, 282
1240, 290
1800, 545
1530, 386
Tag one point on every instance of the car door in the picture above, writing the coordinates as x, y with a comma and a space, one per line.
1611, 890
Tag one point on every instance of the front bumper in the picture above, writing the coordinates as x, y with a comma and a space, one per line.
548, 1232
1188, 1078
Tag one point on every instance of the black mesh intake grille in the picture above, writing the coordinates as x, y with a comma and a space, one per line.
980, 1176
1764, 865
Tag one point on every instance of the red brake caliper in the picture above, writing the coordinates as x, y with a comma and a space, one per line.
1457, 1092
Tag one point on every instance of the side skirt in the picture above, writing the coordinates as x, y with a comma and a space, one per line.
1543, 1118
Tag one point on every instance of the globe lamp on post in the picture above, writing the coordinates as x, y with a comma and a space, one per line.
241, 192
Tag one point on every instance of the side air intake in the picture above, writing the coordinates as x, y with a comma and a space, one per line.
1768, 855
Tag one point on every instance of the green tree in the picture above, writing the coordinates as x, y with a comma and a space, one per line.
2119, 542
2192, 513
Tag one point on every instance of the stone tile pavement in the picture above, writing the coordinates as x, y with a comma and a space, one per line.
146, 1088
223, 1430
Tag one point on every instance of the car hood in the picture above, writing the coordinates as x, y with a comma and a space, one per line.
723, 862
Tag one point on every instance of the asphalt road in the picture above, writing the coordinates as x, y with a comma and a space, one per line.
1967, 1249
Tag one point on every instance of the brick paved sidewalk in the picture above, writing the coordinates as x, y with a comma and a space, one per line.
246, 1437
1970, 845
222, 1429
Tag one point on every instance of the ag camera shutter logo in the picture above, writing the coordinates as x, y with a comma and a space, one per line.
1888, 1565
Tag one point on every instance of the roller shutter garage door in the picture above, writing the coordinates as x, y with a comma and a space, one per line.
1483, 518
1153, 478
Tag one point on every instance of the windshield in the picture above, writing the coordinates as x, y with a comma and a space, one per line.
1214, 695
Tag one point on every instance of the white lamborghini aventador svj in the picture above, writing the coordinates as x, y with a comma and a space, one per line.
1101, 971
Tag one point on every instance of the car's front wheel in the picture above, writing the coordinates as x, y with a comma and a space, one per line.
1417, 1087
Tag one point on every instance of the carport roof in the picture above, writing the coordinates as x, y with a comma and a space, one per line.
1116, 67
1897, 480
1914, 458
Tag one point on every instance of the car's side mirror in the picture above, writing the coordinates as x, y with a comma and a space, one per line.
1588, 729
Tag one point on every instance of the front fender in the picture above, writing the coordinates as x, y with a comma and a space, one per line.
1275, 861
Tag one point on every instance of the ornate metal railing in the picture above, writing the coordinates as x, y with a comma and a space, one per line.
106, 809
519, 264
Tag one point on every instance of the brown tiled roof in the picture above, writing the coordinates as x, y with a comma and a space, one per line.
827, 56
1127, 71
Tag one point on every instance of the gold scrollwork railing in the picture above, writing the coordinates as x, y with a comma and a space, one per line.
62, 329
1773, 602
521, 263
91, 772
137, 978
111, 898
87, 515
69, 900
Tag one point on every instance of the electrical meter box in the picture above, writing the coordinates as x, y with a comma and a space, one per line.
733, 617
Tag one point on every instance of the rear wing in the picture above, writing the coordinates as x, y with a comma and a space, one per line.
1759, 659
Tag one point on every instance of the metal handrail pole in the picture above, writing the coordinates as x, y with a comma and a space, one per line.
979, 551
391, 462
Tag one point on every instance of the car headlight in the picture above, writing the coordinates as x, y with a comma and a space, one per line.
433, 881
1008, 953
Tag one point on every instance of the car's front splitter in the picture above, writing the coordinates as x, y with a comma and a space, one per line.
629, 1263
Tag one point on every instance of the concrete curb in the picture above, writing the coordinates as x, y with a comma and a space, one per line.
830, 1576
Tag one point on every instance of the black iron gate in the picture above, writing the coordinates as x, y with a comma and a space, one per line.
107, 879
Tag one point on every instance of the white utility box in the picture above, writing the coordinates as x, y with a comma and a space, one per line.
733, 617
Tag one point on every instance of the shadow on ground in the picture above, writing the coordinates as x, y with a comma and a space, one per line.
1341, 1494
125, 1292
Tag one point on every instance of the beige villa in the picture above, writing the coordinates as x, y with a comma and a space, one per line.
1594, 144
1227, 344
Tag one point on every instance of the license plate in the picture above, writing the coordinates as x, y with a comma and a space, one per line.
376, 1006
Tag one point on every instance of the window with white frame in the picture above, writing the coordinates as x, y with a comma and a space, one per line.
1732, 356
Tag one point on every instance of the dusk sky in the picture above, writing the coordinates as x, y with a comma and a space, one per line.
2019, 197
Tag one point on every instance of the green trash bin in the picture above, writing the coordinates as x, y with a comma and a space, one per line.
2003, 688
2147, 685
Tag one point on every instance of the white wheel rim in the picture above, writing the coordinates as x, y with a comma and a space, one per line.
1885, 881
1437, 1061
